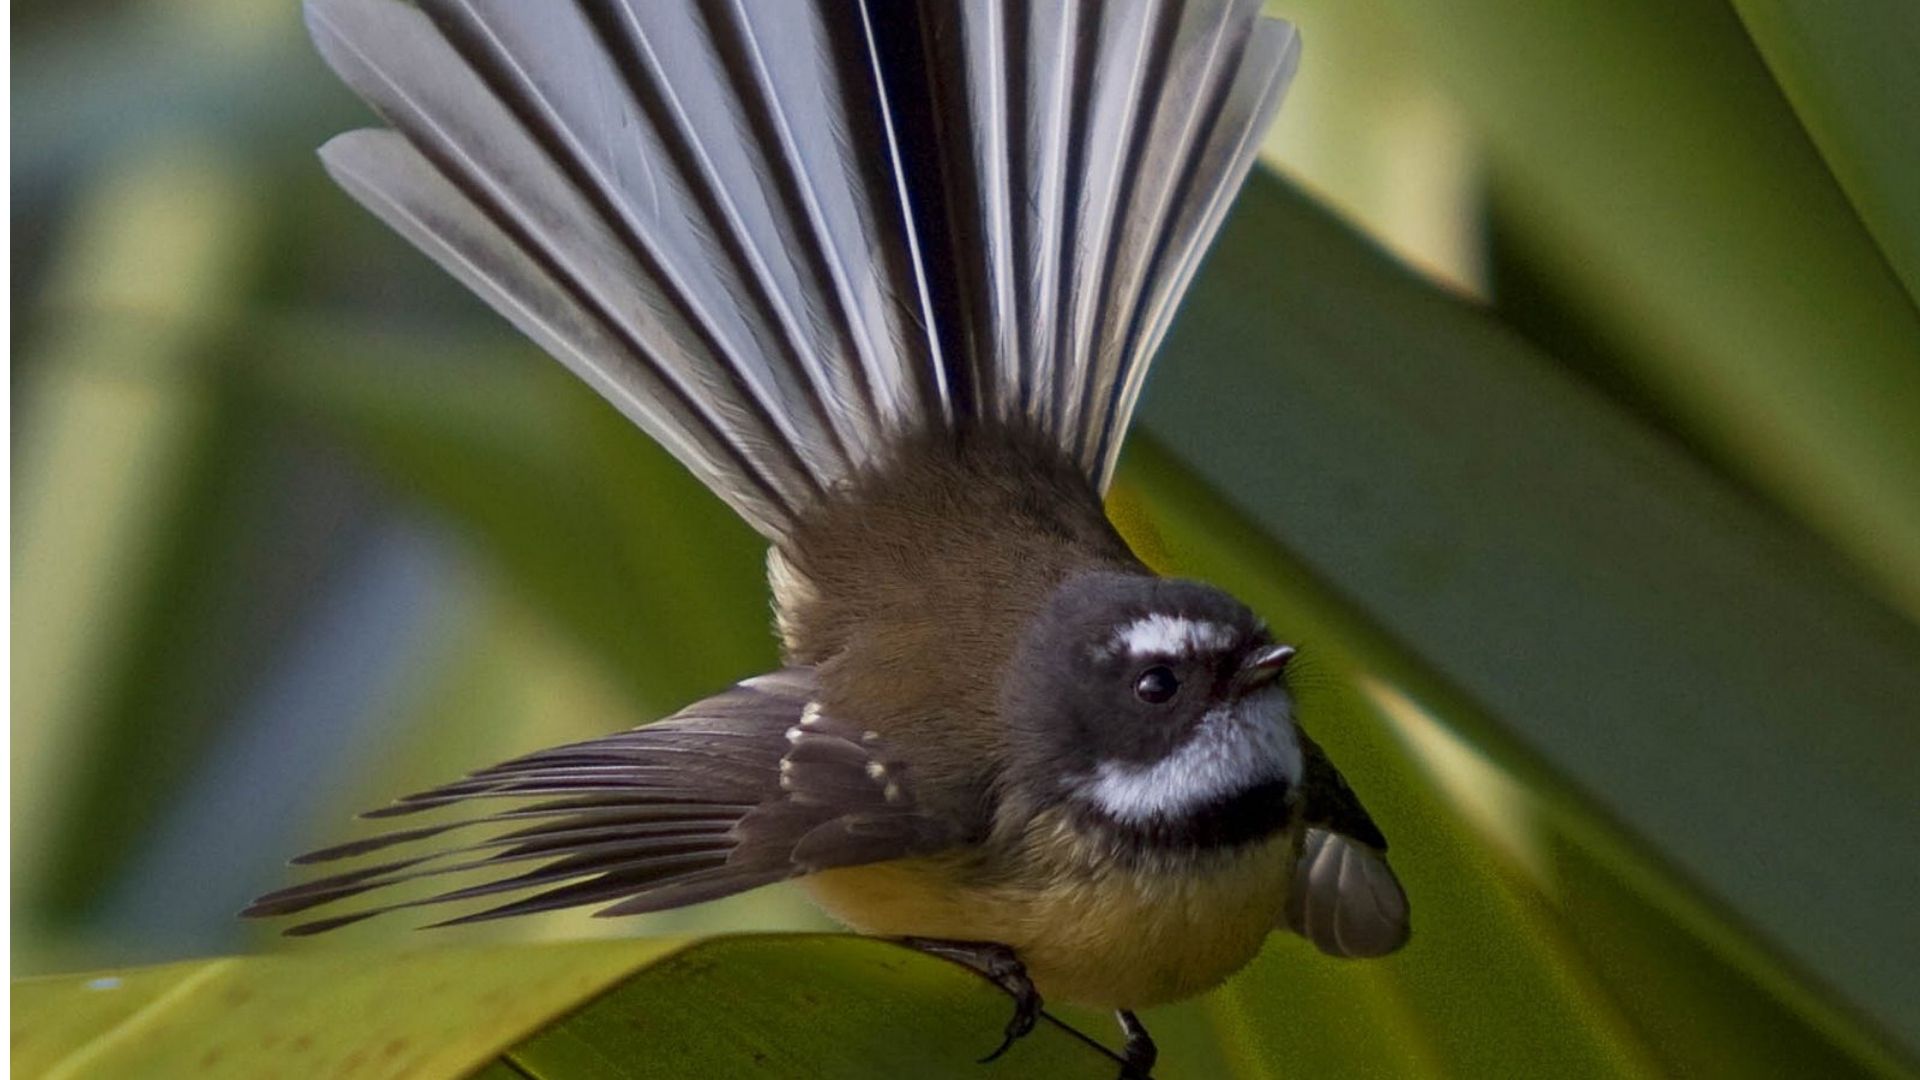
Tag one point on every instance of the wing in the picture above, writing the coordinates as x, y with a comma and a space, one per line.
751, 786
1344, 897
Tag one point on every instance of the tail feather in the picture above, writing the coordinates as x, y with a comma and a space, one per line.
392, 179
814, 71
1043, 91
1243, 88
556, 72
683, 70
782, 234
1116, 76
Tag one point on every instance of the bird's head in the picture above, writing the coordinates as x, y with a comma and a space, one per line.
1154, 706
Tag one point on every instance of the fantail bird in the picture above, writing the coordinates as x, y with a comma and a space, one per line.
887, 277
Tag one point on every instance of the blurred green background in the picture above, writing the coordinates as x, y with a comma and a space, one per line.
1560, 393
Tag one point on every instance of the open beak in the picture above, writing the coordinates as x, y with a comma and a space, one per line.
1262, 668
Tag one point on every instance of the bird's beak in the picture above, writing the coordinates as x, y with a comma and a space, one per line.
1262, 668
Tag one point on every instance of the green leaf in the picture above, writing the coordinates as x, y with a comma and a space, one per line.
1542, 945
755, 1006
1668, 668
1651, 173
809, 1006
426, 1012
1850, 75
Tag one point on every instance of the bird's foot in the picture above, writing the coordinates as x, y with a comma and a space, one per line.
1139, 1055
998, 963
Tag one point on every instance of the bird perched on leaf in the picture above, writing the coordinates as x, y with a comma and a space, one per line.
887, 277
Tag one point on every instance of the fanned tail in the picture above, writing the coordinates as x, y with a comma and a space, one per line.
782, 234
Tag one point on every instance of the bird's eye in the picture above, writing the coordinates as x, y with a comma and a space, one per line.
1156, 685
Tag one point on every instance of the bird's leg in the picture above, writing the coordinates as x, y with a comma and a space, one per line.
998, 963
1140, 1053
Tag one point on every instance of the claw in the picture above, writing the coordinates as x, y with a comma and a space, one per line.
998, 963
1140, 1053
1026, 1010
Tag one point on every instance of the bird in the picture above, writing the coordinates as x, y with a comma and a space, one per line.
887, 276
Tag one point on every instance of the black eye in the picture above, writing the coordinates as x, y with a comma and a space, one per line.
1157, 685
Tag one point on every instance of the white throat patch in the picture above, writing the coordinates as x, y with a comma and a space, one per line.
1235, 749
1171, 636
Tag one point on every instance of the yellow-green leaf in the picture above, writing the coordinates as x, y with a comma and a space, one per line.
435, 1013
734, 1007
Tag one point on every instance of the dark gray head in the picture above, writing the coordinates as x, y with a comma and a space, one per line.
1156, 707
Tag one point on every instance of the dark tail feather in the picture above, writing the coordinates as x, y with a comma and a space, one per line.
1075, 161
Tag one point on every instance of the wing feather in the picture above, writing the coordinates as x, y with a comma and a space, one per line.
748, 787
1343, 897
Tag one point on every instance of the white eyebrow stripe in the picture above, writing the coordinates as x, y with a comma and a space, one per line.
1171, 635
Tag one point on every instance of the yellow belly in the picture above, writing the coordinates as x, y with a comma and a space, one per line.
1094, 935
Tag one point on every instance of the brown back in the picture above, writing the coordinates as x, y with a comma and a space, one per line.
919, 582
